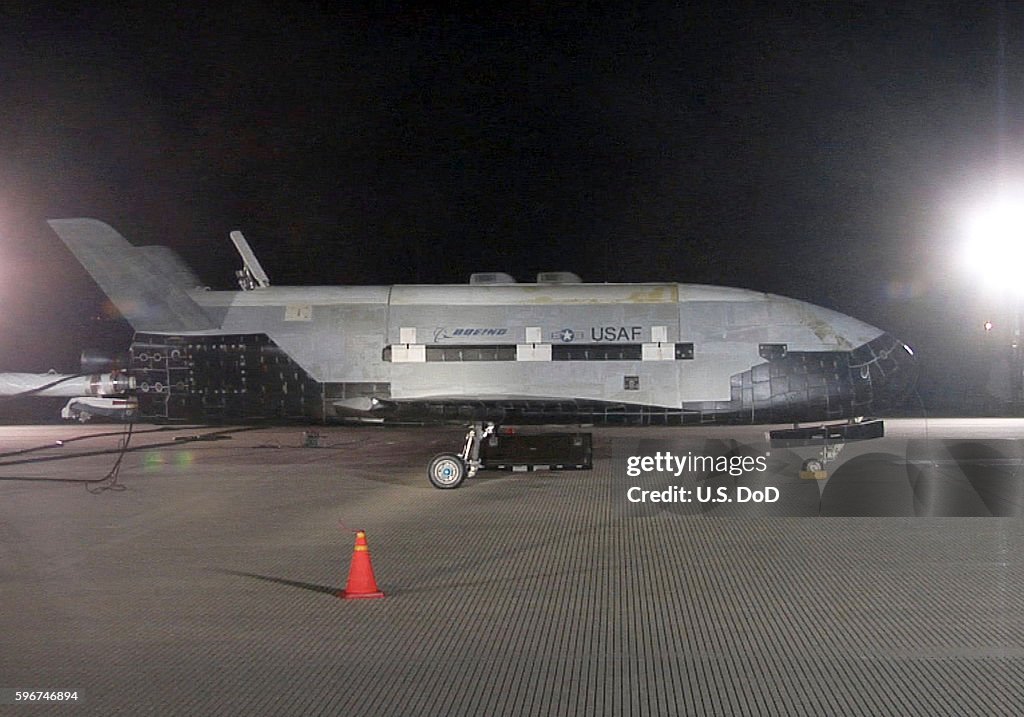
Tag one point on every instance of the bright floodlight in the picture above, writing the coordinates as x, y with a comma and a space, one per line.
995, 244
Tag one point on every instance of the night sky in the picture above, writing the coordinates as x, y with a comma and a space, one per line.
821, 151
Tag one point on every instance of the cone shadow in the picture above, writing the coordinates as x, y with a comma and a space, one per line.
312, 587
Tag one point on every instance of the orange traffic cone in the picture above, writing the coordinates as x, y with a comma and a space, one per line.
361, 583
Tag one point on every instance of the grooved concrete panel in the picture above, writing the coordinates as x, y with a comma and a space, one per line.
208, 588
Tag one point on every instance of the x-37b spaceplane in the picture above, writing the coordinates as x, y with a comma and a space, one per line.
490, 352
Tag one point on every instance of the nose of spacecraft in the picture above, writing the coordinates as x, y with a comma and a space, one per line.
887, 368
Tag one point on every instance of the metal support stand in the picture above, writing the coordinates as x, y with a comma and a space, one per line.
471, 450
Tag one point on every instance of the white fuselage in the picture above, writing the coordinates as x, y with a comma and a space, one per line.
339, 334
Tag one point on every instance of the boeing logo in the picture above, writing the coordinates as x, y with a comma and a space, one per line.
445, 333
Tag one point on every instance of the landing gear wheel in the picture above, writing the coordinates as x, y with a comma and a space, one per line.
446, 470
813, 465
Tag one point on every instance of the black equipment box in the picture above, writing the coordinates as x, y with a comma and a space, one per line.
542, 451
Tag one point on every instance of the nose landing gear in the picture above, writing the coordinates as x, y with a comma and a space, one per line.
828, 439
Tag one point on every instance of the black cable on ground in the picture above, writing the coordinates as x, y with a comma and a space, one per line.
122, 450
84, 437
109, 481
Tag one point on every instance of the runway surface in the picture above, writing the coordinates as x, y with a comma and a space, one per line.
208, 584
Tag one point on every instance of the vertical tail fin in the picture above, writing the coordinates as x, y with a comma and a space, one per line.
146, 296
